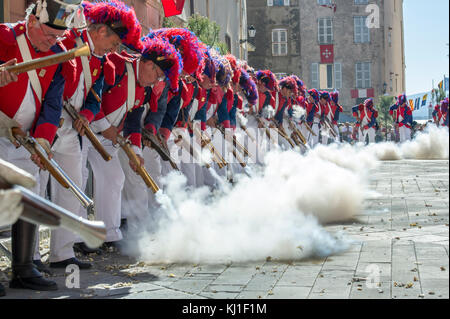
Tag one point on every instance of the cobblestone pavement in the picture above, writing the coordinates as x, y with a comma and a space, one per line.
400, 251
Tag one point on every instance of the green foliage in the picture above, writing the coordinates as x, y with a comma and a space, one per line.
169, 23
207, 31
384, 118
438, 95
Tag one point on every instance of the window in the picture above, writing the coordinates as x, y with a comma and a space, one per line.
363, 75
314, 75
337, 75
279, 42
361, 1
326, 76
325, 30
323, 2
278, 3
362, 33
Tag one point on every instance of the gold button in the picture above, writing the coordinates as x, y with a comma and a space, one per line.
119, 85
21, 27
109, 91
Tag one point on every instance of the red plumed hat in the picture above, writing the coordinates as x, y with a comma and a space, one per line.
119, 17
189, 46
289, 83
268, 78
234, 66
164, 55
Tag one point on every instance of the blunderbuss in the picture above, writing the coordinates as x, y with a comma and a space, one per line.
297, 134
282, 133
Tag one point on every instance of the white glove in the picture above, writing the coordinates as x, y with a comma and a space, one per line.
268, 112
10, 206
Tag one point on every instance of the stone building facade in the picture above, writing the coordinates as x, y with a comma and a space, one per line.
353, 46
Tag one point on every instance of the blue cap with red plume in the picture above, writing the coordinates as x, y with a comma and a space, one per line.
315, 94
189, 46
249, 87
268, 78
119, 17
335, 96
401, 99
164, 55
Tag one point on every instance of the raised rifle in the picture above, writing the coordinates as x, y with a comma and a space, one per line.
88, 132
48, 60
127, 148
32, 146
39, 211
156, 142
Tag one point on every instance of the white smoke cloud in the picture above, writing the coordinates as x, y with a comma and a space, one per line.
276, 213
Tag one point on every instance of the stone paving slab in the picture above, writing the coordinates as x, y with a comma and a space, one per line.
400, 250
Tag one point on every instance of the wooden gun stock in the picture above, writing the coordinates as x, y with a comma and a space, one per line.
126, 146
89, 133
48, 60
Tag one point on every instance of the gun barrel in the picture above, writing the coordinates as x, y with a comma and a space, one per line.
40, 211
49, 60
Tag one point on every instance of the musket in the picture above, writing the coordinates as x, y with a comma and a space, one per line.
206, 141
261, 123
32, 146
298, 134
329, 127
127, 148
159, 146
236, 144
39, 211
309, 128
248, 133
235, 154
88, 132
283, 134
48, 60
191, 150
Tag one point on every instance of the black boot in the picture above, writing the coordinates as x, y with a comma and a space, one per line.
25, 273
2, 291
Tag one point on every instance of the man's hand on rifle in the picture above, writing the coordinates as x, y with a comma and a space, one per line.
46, 146
79, 124
211, 122
111, 134
5, 76
133, 165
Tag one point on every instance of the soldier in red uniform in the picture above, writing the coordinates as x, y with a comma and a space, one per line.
33, 101
121, 112
110, 24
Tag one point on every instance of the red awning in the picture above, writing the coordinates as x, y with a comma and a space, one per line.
172, 7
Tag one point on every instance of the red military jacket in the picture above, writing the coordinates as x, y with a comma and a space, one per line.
115, 106
101, 69
51, 79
